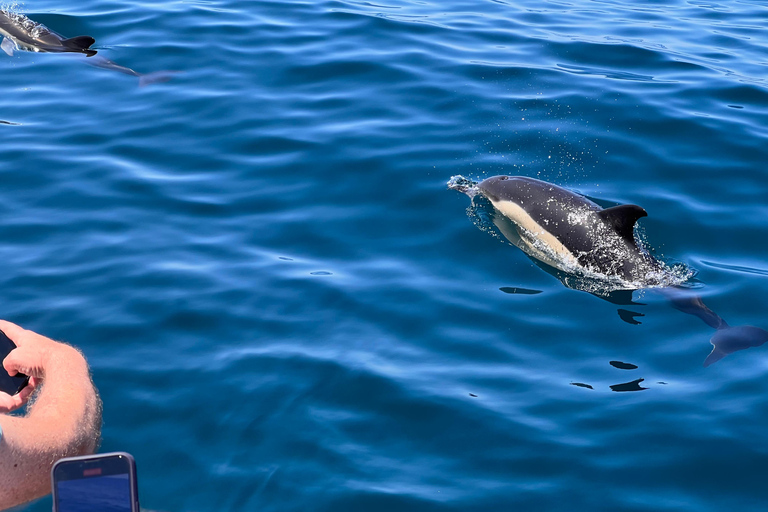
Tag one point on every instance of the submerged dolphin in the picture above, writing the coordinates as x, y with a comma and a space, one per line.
565, 234
21, 33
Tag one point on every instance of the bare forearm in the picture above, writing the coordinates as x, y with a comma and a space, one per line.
69, 401
65, 420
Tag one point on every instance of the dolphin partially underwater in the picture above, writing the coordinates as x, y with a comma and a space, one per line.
21, 33
581, 243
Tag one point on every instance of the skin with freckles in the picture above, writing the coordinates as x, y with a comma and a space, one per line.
63, 416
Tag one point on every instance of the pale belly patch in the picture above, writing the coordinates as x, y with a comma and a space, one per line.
543, 237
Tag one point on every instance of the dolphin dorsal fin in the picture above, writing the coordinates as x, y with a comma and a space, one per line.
79, 42
623, 218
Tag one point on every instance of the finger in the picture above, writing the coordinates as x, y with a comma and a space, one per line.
9, 363
17, 361
13, 331
6, 402
26, 392
10, 403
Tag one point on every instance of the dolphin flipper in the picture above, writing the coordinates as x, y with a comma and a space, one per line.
8, 46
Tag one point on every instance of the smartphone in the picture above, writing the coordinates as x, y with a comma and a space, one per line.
95, 483
8, 384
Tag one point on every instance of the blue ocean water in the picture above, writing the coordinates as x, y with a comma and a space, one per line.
286, 309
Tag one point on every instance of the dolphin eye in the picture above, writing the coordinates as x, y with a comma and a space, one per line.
504, 178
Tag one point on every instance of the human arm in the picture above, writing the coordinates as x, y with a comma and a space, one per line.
64, 420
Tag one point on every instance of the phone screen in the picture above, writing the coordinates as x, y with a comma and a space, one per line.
104, 483
8, 384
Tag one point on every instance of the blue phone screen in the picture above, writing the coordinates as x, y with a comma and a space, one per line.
110, 493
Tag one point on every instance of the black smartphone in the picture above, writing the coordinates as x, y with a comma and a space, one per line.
8, 384
95, 483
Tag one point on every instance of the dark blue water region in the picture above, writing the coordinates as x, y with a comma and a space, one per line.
286, 309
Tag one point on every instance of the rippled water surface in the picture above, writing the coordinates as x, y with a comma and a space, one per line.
286, 309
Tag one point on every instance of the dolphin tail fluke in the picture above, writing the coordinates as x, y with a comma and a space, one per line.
728, 340
78, 43
714, 356
156, 77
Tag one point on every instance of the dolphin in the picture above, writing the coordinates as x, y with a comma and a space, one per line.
566, 234
21, 33
568, 231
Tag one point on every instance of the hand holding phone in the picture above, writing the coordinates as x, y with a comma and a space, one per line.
9, 385
95, 483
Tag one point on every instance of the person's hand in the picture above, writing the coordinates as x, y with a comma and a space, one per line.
10, 403
30, 357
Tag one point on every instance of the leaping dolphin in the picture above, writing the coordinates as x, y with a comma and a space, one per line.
21, 33
566, 233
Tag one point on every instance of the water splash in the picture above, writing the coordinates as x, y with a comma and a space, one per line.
12, 11
464, 185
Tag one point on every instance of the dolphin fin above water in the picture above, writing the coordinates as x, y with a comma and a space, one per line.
623, 219
79, 43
